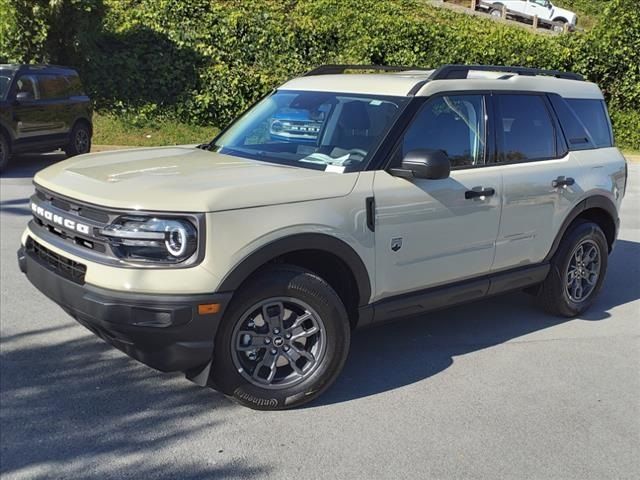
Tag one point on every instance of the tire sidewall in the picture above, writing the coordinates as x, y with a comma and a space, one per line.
560, 264
289, 282
71, 150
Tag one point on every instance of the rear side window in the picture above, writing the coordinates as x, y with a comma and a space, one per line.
53, 86
593, 115
524, 128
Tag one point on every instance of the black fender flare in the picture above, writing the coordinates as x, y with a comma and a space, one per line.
82, 119
297, 242
596, 201
7, 132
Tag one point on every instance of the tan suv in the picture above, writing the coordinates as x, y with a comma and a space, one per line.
247, 262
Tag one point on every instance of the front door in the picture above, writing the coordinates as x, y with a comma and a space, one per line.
433, 232
539, 8
29, 113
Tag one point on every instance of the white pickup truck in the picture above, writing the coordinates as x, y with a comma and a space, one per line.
543, 9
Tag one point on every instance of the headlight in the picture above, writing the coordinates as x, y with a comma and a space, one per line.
160, 240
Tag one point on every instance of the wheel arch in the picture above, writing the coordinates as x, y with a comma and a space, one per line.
598, 209
560, 19
329, 257
4, 131
82, 119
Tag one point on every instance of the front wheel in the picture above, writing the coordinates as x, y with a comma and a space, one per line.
283, 341
577, 271
79, 140
496, 11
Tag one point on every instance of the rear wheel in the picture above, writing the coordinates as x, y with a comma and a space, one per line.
5, 152
577, 271
283, 341
79, 140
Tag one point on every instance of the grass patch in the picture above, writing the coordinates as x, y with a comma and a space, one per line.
112, 130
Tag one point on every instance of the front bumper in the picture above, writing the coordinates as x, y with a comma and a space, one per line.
165, 332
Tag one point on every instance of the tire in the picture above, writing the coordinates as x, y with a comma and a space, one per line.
5, 152
559, 293
247, 375
558, 27
496, 12
79, 140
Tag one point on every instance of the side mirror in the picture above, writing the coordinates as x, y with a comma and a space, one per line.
429, 164
24, 97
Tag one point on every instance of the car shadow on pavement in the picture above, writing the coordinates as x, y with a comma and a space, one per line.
80, 409
391, 356
18, 206
27, 165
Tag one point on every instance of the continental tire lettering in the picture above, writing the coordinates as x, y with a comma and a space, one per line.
259, 402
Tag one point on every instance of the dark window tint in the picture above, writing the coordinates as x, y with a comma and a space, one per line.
524, 128
28, 84
593, 115
574, 130
53, 86
455, 124
74, 85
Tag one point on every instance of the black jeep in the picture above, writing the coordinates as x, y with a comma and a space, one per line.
42, 108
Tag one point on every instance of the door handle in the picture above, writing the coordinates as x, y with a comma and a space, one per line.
563, 182
479, 192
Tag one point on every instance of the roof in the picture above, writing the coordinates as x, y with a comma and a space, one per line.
393, 84
37, 67
408, 82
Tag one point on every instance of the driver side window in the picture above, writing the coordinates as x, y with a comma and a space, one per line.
28, 84
452, 123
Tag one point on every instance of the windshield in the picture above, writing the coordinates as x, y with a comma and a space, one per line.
324, 131
5, 82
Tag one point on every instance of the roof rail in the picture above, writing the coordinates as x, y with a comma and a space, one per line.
461, 71
42, 66
337, 69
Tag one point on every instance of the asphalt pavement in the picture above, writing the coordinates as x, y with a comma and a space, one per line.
495, 389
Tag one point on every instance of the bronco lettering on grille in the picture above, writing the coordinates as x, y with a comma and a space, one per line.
59, 220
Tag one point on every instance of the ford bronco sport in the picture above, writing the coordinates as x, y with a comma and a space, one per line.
42, 108
247, 262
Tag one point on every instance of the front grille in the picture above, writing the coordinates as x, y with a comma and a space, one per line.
64, 267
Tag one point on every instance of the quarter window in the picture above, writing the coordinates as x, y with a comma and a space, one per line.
594, 117
452, 123
524, 128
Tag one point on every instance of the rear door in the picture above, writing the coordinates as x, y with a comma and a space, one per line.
432, 232
541, 178
54, 98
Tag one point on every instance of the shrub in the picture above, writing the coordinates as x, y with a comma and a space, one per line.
204, 61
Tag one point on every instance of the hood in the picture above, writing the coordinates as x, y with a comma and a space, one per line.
187, 179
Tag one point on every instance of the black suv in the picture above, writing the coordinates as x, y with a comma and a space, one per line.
42, 108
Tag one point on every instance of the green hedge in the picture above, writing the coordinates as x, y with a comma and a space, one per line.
204, 61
